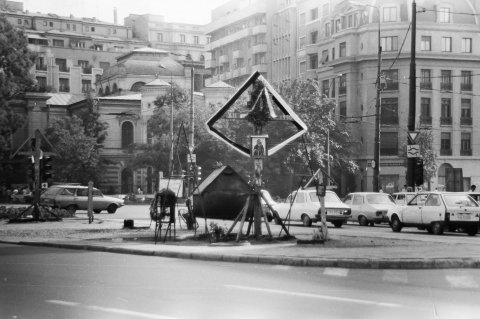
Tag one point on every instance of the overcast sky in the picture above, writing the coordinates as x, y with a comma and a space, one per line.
186, 11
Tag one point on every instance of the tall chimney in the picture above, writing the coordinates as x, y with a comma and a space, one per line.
115, 20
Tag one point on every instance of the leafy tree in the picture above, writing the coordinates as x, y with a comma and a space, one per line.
78, 140
15, 63
318, 113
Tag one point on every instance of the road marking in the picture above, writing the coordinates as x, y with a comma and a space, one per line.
118, 311
399, 276
316, 296
337, 272
462, 281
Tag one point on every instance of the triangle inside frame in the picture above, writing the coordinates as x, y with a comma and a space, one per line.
300, 126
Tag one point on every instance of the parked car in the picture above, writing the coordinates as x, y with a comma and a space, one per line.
73, 197
438, 212
402, 198
305, 207
369, 208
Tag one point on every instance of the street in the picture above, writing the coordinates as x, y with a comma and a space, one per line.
58, 283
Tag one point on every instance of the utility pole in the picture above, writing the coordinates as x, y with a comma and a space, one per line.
412, 97
378, 114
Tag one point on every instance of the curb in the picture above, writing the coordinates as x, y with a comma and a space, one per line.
358, 263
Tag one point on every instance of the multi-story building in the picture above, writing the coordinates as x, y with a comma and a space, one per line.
71, 51
238, 41
185, 41
339, 44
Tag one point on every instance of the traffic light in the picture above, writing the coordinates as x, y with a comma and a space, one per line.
46, 168
30, 168
199, 173
419, 171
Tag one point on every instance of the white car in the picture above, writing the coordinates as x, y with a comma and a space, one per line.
438, 212
402, 198
304, 206
369, 208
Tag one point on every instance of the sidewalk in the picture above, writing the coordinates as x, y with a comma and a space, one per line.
344, 251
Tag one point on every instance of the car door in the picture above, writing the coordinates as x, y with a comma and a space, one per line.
81, 200
412, 213
356, 206
433, 209
65, 197
299, 206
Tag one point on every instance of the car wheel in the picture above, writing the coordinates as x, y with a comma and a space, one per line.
396, 224
97, 211
472, 231
72, 209
337, 224
363, 221
112, 209
307, 222
437, 228
429, 229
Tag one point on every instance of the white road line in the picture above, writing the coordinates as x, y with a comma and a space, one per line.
461, 281
399, 276
316, 296
337, 272
118, 311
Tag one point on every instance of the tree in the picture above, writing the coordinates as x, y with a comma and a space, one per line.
318, 113
16, 61
78, 140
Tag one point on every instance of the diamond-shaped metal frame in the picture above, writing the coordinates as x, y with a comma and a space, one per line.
279, 101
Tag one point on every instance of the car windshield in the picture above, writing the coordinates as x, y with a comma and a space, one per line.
379, 199
459, 200
329, 197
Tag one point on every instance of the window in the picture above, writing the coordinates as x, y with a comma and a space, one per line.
182, 38
391, 77
425, 112
58, 43
466, 84
426, 43
302, 67
466, 112
92, 29
389, 43
446, 112
63, 85
74, 27
77, 44
40, 63
313, 61
324, 56
41, 83
302, 19
333, 86
333, 54
86, 86
467, 45
426, 79
98, 47
444, 15
19, 21
389, 14
389, 143
314, 14
328, 29
196, 39
343, 50
50, 24
337, 25
62, 65
343, 110
445, 143
342, 85
127, 134
326, 87
446, 44
160, 37
465, 144
313, 37
389, 115
446, 80
302, 43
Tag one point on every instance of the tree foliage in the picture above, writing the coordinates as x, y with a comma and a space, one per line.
15, 63
78, 140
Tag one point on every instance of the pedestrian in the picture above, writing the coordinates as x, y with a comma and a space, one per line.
404, 189
472, 189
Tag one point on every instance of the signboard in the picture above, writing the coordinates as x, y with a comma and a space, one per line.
413, 151
175, 184
191, 158
412, 136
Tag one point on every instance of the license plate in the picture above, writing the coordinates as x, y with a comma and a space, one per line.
463, 216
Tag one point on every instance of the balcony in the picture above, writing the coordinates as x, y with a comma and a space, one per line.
391, 86
465, 121
446, 86
426, 120
40, 67
223, 59
445, 121
466, 86
210, 64
466, 152
62, 68
87, 70
425, 85
445, 152
259, 48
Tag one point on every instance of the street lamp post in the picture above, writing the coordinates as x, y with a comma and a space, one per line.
170, 161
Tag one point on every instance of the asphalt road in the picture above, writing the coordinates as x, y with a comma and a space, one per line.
57, 283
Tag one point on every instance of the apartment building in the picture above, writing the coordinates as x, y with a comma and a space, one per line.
72, 51
338, 44
238, 41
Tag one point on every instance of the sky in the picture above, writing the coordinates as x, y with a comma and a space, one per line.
184, 11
